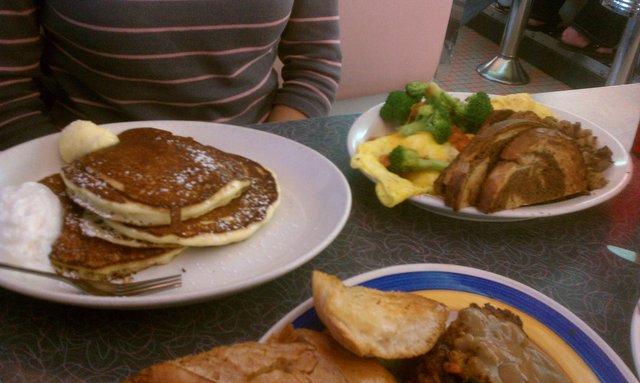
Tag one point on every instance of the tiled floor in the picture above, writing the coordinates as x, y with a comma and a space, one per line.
471, 49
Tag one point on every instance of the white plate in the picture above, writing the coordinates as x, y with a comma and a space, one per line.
312, 212
635, 336
562, 335
369, 124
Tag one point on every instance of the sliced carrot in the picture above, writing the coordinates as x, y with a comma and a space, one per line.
457, 138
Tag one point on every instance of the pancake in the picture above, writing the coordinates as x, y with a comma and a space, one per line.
234, 222
152, 177
93, 225
91, 257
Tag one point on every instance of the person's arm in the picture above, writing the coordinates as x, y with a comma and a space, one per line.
21, 105
284, 113
311, 57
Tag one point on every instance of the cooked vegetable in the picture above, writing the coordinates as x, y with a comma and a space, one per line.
474, 111
404, 160
425, 107
397, 107
469, 114
416, 89
458, 138
433, 118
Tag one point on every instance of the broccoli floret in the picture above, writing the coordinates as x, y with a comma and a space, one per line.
434, 93
469, 114
396, 108
416, 89
473, 112
403, 160
436, 115
433, 118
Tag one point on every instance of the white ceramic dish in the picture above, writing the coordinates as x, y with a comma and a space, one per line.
312, 212
562, 335
369, 124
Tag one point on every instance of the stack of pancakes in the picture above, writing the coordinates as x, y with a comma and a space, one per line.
154, 194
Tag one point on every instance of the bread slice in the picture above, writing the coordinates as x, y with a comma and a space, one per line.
539, 165
373, 323
245, 362
460, 183
354, 368
293, 355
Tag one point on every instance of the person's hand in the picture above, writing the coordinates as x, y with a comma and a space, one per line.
284, 113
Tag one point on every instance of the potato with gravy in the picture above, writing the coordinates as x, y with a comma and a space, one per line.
488, 345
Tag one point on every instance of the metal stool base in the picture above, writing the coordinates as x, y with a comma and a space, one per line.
504, 70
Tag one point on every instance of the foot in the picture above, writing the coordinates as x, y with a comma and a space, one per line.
535, 22
571, 36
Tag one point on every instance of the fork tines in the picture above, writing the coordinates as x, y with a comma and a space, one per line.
156, 284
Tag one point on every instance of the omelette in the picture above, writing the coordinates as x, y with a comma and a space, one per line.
521, 102
391, 188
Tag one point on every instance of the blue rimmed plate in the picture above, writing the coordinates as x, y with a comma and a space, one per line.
579, 351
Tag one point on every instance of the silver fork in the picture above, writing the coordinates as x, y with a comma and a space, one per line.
104, 288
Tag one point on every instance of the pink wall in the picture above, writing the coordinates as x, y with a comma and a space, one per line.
387, 43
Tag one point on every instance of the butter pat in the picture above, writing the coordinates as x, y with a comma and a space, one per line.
82, 137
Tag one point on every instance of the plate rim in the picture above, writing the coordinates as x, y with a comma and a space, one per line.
635, 336
524, 213
190, 297
306, 308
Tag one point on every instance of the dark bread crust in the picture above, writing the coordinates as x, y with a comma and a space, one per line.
539, 165
518, 159
293, 355
244, 362
461, 182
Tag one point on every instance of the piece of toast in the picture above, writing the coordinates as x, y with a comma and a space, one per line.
460, 183
243, 362
373, 323
293, 355
354, 368
539, 165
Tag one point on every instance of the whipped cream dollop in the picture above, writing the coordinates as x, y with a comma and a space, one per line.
30, 222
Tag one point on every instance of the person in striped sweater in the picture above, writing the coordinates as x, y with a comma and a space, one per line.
124, 60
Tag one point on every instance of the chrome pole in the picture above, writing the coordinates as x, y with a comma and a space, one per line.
627, 53
505, 68
624, 7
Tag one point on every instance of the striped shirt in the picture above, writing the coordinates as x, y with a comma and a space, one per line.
123, 60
